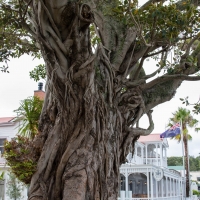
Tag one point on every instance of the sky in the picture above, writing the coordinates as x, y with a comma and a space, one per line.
17, 85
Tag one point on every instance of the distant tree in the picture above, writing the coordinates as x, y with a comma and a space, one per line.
183, 115
178, 161
174, 161
14, 187
192, 162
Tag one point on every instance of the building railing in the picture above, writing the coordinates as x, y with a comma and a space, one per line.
128, 196
149, 161
155, 161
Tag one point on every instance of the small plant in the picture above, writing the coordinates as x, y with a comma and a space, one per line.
1, 176
29, 113
21, 157
195, 192
14, 187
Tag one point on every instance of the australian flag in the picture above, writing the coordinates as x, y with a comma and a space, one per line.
171, 132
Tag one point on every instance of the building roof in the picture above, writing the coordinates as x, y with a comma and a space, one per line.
6, 119
150, 138
176, 167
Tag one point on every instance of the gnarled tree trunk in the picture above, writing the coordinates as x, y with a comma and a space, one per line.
89, 119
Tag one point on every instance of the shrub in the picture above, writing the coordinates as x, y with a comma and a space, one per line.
22, 157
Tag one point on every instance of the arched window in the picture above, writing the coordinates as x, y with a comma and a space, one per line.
122, 182
137, 183
151, 149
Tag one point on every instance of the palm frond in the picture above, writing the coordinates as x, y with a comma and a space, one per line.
29, 113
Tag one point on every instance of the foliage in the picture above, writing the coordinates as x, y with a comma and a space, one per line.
168, 19
195, 192
178, 161
19, 151
20, 157
15, 39
29, 113
174, 161
14, 187
2, 176
38, 73
183, 115
196, 106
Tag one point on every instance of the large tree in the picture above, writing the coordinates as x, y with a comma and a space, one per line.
183, 115
97, 89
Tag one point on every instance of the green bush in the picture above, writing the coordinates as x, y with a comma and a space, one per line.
22, 157
195, 192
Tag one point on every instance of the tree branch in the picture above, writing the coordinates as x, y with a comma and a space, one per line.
165, 78
138, 27
50, 19
141, 131
130, 37
156, 53
150, 2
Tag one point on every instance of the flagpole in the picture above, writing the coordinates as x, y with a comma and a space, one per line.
183, 158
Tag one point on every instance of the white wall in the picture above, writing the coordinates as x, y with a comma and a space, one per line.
9, 132
194, 175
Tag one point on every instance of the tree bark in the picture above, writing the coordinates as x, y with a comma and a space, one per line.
80, 158
187, 167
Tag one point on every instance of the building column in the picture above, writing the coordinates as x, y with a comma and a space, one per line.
142, 152
161, 155
166, 178
156, 188
165, 157
162, 188
146, 146
181, 188
157, 154
136, 150
148, 183
126, 178
152, 197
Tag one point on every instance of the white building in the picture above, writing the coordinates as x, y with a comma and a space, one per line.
195, 176
146, 175
8, 130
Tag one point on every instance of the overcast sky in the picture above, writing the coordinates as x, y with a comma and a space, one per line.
17, 85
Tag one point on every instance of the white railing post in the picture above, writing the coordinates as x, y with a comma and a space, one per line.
122, 195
